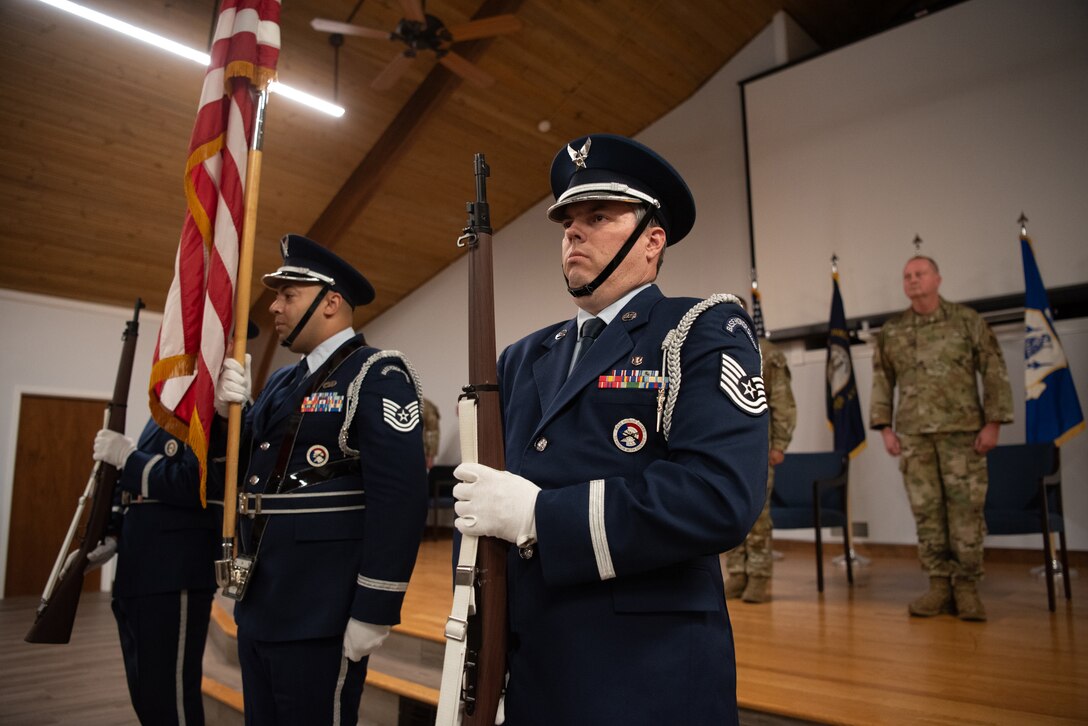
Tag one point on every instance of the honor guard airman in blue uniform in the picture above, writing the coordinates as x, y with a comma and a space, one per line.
636, 452
334, 498
167, 543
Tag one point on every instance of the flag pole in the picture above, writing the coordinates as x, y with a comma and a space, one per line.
1055, 562
847, 533
224, 570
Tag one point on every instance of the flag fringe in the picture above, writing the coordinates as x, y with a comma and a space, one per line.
200, 217
1069, 434
259, 76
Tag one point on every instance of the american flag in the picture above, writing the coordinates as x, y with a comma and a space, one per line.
199, 310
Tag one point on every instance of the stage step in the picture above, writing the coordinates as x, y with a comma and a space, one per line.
401, 684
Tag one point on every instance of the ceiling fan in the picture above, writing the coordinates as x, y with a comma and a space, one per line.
420, 31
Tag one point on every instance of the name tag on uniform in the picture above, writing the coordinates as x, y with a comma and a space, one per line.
323, 402
633, 379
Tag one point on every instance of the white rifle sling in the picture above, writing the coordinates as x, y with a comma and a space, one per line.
453, 667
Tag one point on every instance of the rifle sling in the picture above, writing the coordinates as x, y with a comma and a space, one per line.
277, 482
460, 638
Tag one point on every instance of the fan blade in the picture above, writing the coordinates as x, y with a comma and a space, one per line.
413, 10
392, 72
485, 27
466, 69
331, 26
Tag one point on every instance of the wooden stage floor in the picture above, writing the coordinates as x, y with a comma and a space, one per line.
850, 656
854, 655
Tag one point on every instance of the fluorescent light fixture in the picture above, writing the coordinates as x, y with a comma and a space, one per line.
304, 98
178, 49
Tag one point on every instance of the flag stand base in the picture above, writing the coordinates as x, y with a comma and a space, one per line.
1040, 571
855, 559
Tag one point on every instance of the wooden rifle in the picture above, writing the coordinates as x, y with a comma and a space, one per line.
57, 612
471, 691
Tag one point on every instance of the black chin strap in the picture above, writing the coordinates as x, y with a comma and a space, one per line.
588, 288
286, 342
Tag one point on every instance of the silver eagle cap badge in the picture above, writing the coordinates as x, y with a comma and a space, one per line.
579, 157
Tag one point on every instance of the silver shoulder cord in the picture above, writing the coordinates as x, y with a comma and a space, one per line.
357, 384
670, 364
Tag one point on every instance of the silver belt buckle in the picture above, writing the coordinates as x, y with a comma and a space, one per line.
244, 499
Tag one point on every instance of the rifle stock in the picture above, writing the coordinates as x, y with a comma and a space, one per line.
57, 612
486, 657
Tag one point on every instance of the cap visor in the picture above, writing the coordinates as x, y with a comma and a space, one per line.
555, 211
279, 278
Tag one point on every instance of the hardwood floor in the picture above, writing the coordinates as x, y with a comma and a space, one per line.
855, 656
82, 682
850, 656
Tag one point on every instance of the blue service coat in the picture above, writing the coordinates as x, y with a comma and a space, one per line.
168, 542
620, 615
315, 570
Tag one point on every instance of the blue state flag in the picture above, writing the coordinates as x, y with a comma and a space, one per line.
1053, 411
843, 406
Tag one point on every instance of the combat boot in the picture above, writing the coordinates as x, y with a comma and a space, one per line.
968, 604
938, 600
758, 590
735, 584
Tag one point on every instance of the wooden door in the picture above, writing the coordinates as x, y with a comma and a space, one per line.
52, 465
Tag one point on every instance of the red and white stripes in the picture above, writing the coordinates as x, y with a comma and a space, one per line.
199, 310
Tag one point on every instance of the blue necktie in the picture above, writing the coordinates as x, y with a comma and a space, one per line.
290, 385
591, 329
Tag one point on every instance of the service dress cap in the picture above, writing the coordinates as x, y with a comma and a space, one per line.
616, 168
305, 261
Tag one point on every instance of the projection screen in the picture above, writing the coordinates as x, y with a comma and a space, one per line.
947, 128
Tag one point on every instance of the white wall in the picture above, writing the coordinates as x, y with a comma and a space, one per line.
947, 127
57, 347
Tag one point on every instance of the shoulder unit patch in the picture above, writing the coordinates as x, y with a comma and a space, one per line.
736, 323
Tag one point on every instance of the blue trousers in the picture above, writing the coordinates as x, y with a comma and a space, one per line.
300, 682
162, 642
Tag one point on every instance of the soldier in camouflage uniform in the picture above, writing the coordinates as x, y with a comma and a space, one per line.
934, 351
749, 565
431, 432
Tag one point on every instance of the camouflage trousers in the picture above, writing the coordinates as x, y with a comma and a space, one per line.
946, 483
754, 557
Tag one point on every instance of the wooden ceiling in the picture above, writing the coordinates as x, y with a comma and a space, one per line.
95, 127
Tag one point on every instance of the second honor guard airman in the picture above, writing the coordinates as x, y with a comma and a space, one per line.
334, 501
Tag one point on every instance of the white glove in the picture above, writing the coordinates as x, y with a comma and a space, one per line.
97, 557
361, 639
495, 503
235, 385
112, 447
